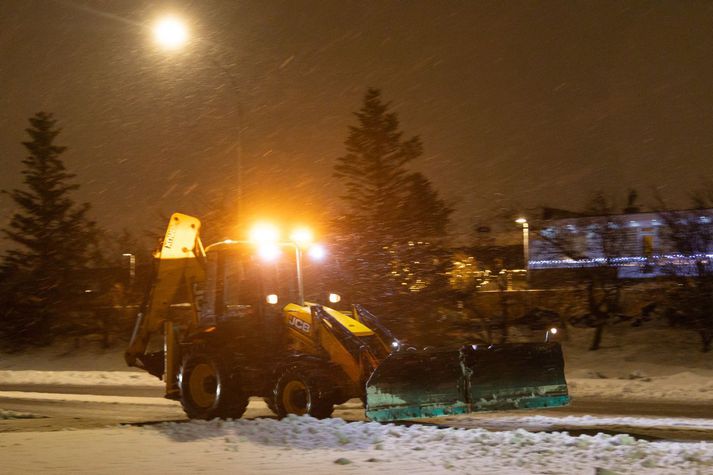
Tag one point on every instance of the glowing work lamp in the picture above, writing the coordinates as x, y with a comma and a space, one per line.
263, 233
317, 252
266, 237
302, 237
268, 251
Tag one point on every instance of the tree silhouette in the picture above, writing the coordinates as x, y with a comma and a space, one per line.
689, 234
389, 239
373, 170
595, 247
54, 241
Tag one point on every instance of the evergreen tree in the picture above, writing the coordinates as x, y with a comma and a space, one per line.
389, 248
54, 241
373, 170
425, 218
423, 213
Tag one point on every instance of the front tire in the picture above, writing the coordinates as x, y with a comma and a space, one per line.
208, 390
300, 391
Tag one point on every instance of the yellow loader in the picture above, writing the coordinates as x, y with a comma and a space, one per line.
218, 327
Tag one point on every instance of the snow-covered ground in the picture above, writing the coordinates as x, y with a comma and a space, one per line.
652, 365
301, 445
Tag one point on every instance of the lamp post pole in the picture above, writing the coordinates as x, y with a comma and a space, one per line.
525, 245
171, 33
132, 267
239, 135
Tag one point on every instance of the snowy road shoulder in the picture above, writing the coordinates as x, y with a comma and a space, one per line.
681, 387
684, 387
38, 396
79, 378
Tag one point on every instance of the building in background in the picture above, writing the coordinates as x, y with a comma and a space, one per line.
635, 245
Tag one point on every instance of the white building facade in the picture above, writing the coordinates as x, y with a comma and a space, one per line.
639, 245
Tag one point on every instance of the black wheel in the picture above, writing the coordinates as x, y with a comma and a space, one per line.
303, 391
208, 390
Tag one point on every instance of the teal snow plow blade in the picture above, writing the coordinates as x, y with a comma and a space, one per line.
416, 384
431, 383
515, 376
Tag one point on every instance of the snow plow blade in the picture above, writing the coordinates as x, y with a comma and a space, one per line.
432, 383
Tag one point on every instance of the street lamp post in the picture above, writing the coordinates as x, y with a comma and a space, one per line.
525, 242
132, 268
171, 33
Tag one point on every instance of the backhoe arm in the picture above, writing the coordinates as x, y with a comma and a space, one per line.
178, 265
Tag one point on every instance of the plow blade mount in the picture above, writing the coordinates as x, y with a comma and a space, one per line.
431, 383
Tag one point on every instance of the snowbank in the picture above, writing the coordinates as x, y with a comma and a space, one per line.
306, 445
5, 414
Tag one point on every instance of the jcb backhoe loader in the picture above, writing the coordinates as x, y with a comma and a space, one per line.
222, 334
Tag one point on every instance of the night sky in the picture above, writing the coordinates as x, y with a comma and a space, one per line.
518, 104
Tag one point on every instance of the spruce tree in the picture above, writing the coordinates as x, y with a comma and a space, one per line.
374, 169
389, 238
54, 241
423, 213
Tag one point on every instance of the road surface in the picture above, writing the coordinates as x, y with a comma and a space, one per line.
59, 407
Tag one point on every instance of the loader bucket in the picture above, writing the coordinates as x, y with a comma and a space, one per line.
422, 384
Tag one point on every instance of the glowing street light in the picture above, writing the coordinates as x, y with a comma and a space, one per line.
170, 32
268, 251
263, 233
301, 236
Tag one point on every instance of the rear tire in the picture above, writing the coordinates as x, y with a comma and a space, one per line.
302, 391
208, 390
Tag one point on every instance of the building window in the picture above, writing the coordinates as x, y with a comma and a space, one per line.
647, 246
